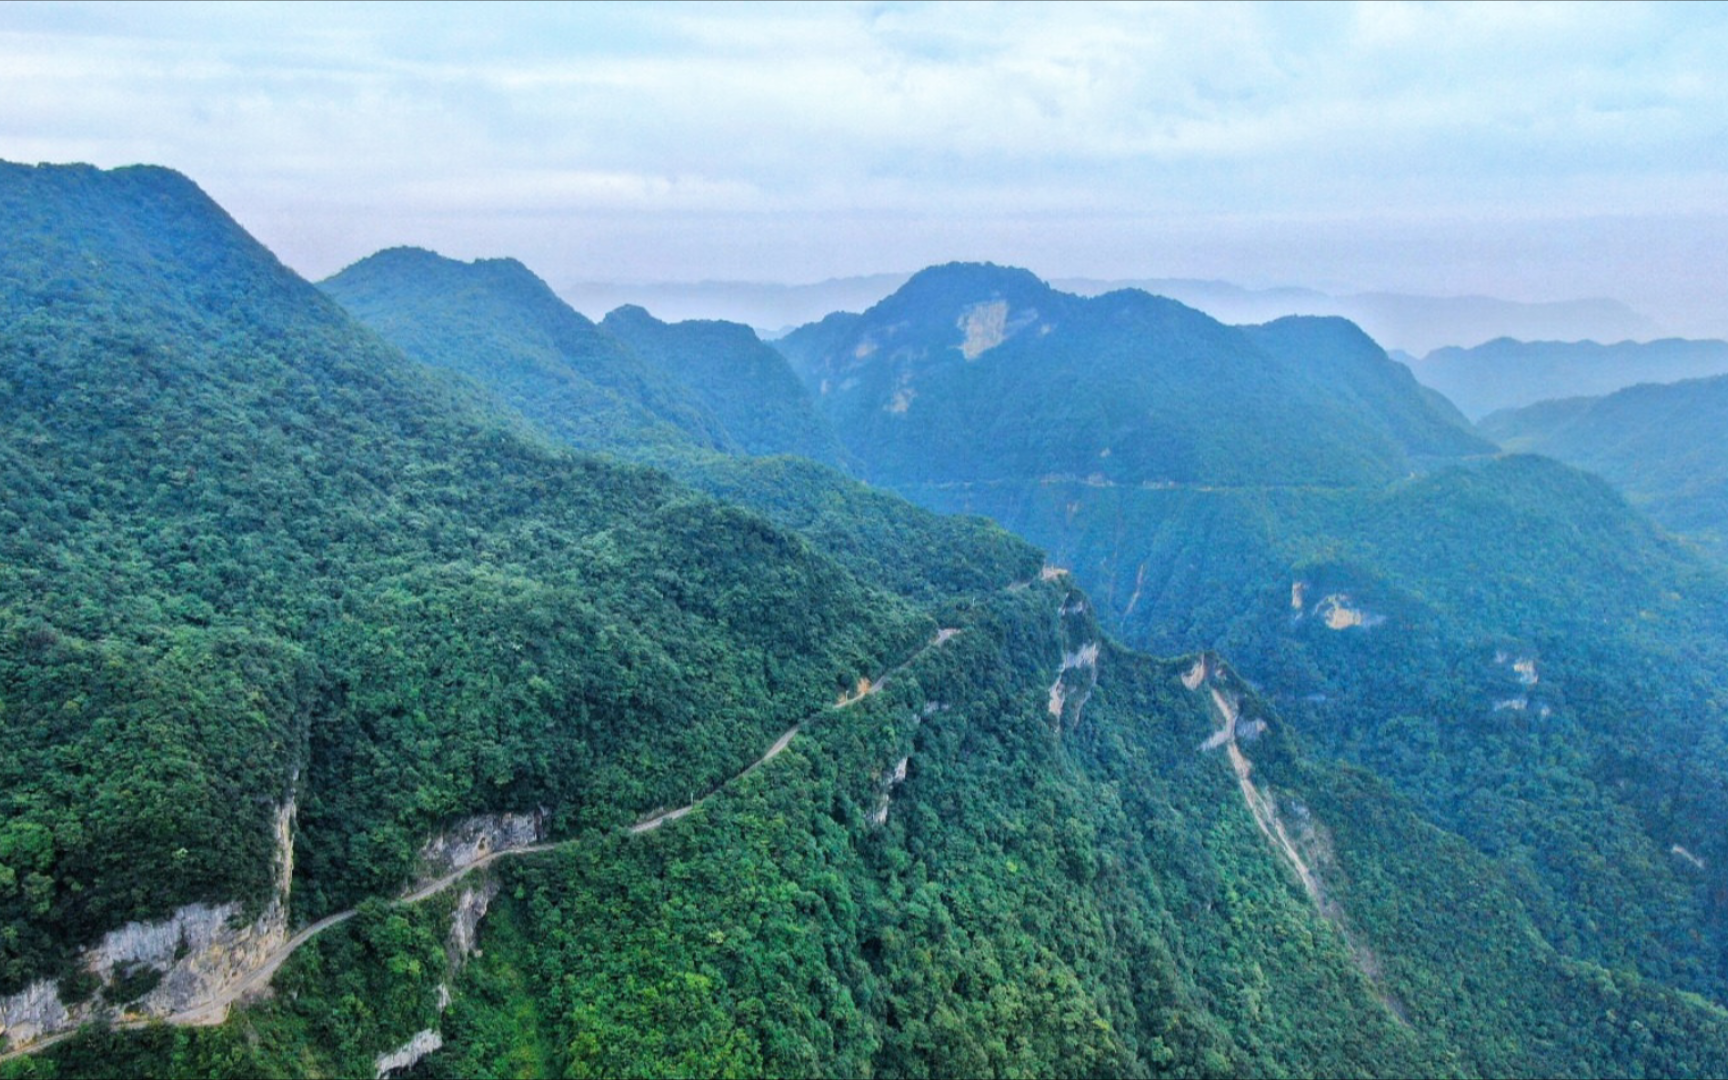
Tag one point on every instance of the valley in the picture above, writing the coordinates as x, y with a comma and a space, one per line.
636, 698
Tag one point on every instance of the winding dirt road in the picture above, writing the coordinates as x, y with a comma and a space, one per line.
215, 1011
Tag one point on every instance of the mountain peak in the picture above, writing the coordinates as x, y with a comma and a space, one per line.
958, 284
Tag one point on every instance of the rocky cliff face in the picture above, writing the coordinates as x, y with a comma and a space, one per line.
472, 839
465, 923
197, 953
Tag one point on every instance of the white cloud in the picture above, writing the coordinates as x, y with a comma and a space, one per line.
1082, 128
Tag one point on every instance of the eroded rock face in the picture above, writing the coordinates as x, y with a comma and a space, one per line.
896, 776
409, 1053
470, 840
471, 907
36, 1011
200, 951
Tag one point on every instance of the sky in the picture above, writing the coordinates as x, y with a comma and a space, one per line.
1527, 151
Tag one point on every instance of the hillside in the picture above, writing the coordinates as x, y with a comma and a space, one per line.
1660, 444
746, 384
352, 725
574, 379
980, 374
1502, 640
1508, 374
1543, 839
276, 605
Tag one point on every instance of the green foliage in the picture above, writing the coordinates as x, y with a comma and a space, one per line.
249, 549
1661, 445
1034, 905
489, 322
1579, 785
980, 374
496, 323
246, 540
745, 383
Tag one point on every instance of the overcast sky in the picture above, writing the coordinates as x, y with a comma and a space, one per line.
1530, 152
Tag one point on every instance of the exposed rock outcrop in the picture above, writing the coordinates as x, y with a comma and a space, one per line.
894, 779
471, 907
409, 1053
200, 951
472, 839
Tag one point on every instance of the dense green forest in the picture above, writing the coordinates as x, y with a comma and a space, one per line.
260, 554
489, 321
1385, 606
1660, 444
985, 375
245, 539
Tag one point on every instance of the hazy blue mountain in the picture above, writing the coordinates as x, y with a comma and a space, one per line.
978, 373
1411, 322
1660, 444
1414, 323
744, 383
1507, 374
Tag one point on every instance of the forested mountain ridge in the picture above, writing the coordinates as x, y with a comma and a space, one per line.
459, 318
272, 587
977, 373
265, 577
1232, 598
1500, 638
579, 381
1660, 444
747, 384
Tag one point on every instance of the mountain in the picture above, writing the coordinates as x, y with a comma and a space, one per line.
768, 305
470, 320
575, 379
1405, 321
1449, 662
278, 605
746, 384
976, 374
1400, 320
1508, 374
353, 725
1501, 639
1660, 444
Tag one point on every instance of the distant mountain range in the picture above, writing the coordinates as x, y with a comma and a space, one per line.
1507, 374
1661, 444
1413, 323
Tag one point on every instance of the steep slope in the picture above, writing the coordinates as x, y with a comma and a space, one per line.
1661, 445
1502, 640
956, 875
295, 625
551, 362
275, 607
973, 374
1507, 374
459, 321
1344, 364
746, 384
1255, 545
293, 628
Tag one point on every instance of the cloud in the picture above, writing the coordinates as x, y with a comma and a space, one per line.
1078, 124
